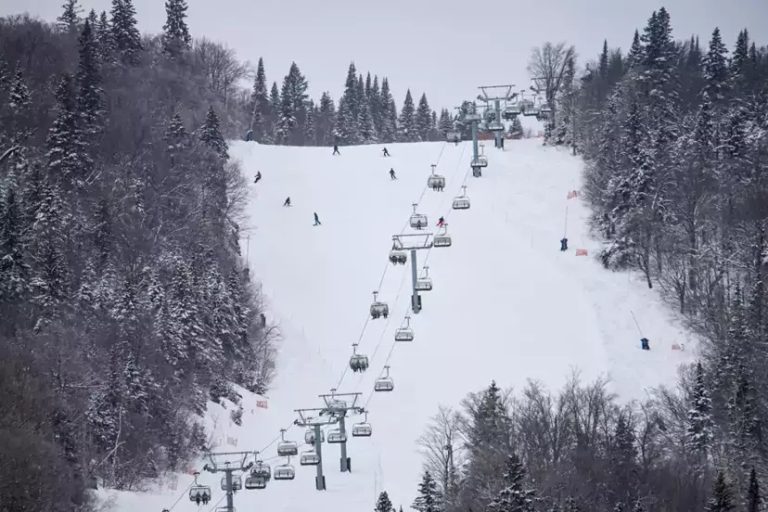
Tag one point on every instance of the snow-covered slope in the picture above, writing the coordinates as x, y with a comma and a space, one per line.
507, 304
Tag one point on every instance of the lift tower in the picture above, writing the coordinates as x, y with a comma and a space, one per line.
413, 242
312, 418
228, 463
496, 94
337, 405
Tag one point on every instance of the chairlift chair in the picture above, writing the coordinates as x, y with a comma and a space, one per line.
511, 111
309, 458
225, 509
530, 109
404, 333
424, 283
284, 471
237, 483
443, 239
398, 257
196, 492
362, 429
478, 162
358, 362
255, 482
384, 383
470, 117
453, 137
336, 436
436, 181
461, 202
309, 436
378, 308
418, 220
495, 126
261, 470
286, 448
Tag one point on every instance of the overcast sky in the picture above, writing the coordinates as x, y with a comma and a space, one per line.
444, 48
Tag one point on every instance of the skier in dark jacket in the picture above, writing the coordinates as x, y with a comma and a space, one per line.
392, 174
441, 222
287, 201
563, 244
258, 177
317, 220
336, 149
386, 153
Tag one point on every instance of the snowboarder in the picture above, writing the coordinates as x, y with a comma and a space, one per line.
317, 220
645, 344
258, 177
249, 135
336, 150
386, 153
287, 201
392, 174
563, 244
441, 222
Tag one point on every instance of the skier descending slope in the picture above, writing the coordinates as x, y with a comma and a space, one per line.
287, 201
392, 174
336, 149
317, 220
441, 222
258, 177
386, 153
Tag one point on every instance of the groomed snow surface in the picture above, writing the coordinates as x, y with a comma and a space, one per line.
506, 305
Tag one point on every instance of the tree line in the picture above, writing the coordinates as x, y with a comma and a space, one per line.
125, 305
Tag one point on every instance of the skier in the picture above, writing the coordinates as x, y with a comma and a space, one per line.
198, 499
206, 498
563, 244
386, 153
645, 344
249, 135
317, 220
287, 201
441, 222
336, 149
392, 174
258, 177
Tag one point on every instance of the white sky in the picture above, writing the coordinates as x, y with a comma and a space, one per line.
445, 49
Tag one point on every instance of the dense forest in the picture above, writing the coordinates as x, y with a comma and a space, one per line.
675, 139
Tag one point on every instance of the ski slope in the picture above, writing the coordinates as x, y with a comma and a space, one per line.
506, 305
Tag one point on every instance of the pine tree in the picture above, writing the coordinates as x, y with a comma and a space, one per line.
69, 21
293, 107
445, 124
423, 118
514, 497
740, 61
428, 499
623, 458
14, 270
210, 134
367, 129
310, 134
19, 98
716, 68
68, 161
754, 500
103, 36
407, 123
635, 55
347, 127
274, 111
388, 131
374, 100
89, 98
571, 505
175, 38
721, 500
603, 65
125, 36
383, 504
699, 415
259, 104
325, 121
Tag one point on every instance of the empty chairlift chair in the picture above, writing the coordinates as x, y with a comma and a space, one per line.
424, 283
284, 471
436, 181
237, 483
309, 436
442, 239
357, 362
418, 220
480, 161
336, 436
362, 429
385, 382
286, 448
378, 308
529, 108
309, 458
511, 111
404, 333
461, 202
255, 482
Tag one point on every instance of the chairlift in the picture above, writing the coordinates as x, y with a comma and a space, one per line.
529, 108
284, 471
286, 448
362, 429
198, 493
443, 239
225, 509
237, 483
490, 115
480, 161
261, 470
309, 436
418, 220
471, 117
511, 111
461, 202
545, 109
404, 333
336, 436
454, 137
436, 181
255, 482
384, 383
424, 283
378, 308
495, 126
309, 458
358, 362
397, 256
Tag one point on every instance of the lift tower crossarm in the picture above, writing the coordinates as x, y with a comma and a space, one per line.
228, 463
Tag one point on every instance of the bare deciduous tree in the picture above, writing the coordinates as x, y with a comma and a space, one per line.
547, 67
442, 448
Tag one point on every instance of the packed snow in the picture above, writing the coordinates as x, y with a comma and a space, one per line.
507, 305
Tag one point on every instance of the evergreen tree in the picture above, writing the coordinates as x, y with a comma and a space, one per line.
259, 104
383, 504
103, 35
635, 55
210, 134
754, 500
348, 117
423, 118
603, 65
68, 161
721, 500
388, 114
407, 123
19, 98
571, 505
700, 414
310, 134
69, 21
740, 59
367, 129
374, 100
325, 120
445, 124
716, 68
14, 270
89, 98
274, 111
514, 497
428, 499
175, 38
623, 457
125, 35
293, 107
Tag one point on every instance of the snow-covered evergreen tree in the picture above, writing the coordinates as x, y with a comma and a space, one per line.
700, 414
175, 38
274, 112
514, 497
716, 68
722, 495
19, 97
125, 36
293, 107
428, 499
422, 118
445, 124
367, 129
407, 129
14, 269
259, 104
325, 120
69, 21
754, 499
383, 504
388, 131
210, 134
68, 161
89, 97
